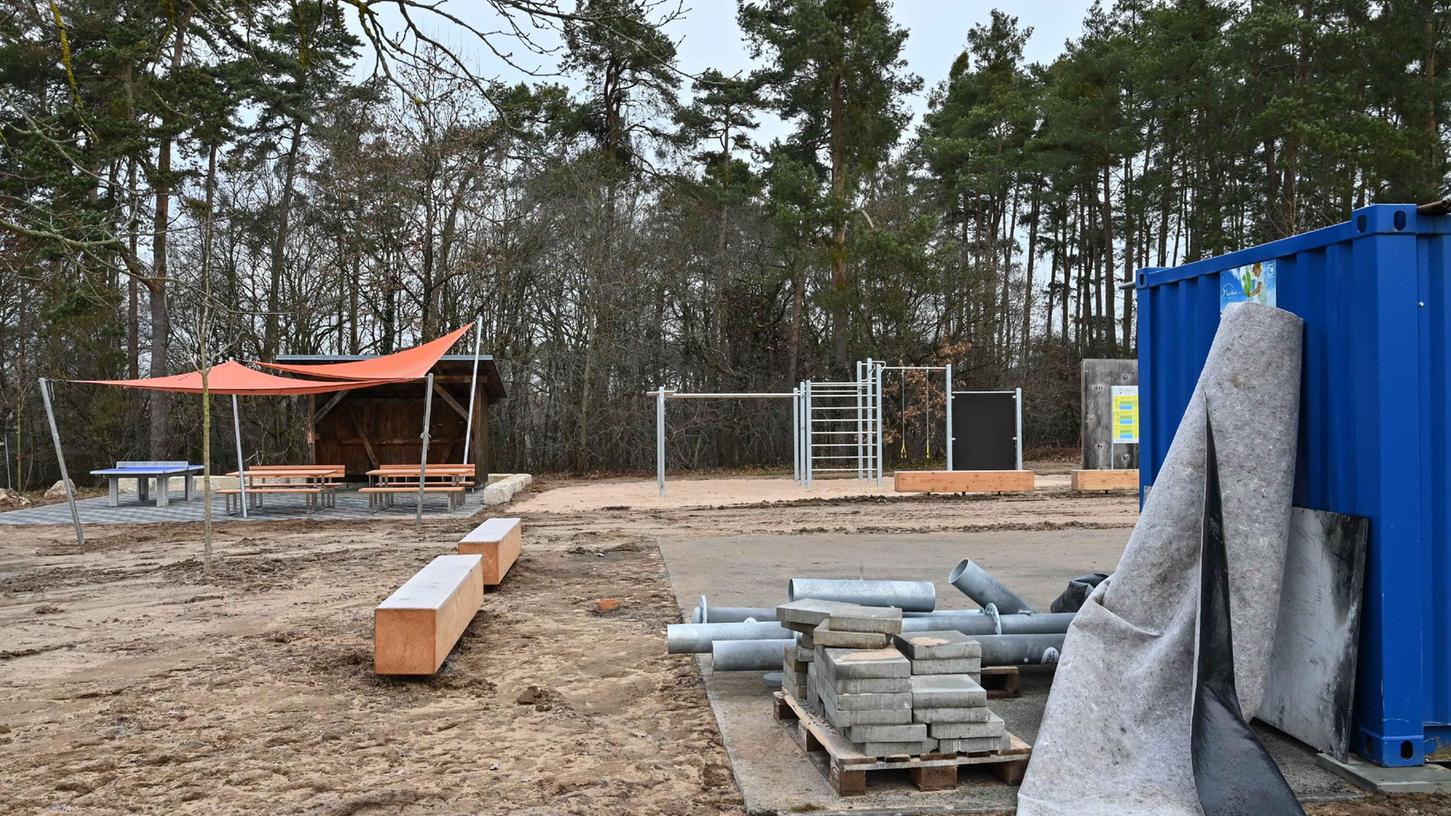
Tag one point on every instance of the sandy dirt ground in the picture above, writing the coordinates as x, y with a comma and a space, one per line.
132, 680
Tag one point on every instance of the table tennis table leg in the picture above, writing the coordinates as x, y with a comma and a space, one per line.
190, 486
113, 491
163, 491
143, 486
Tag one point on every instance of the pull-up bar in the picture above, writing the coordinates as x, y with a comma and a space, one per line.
660, 395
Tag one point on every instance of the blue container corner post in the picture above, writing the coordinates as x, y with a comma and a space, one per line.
1375, 425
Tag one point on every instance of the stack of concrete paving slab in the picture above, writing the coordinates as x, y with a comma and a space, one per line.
861, 685
947, 697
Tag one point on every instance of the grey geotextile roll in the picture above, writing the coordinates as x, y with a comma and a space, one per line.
1115, 737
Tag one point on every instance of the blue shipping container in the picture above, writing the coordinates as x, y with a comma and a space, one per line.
1375, 430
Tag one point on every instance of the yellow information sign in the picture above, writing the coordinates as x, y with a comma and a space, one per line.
1125, 414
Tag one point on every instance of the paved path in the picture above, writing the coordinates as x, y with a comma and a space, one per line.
351, 506
752, 570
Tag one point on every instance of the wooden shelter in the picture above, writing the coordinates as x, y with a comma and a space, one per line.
379, 425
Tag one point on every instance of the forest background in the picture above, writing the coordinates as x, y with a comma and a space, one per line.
186, 181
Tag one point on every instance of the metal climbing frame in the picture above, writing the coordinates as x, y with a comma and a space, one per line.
947, 390
836, 427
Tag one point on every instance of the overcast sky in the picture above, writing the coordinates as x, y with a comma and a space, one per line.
708, 37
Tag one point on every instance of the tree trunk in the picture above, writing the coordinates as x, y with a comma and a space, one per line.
839, 305
279, 243
1028, 273
160, 315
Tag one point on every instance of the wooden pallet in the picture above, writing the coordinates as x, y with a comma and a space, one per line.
1001, 681
848, 768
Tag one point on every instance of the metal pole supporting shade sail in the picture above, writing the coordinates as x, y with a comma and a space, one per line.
65, 478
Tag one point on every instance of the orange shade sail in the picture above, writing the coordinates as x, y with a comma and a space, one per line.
234, 378
400, 366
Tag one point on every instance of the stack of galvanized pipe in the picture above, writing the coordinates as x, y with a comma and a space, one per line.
1009, 632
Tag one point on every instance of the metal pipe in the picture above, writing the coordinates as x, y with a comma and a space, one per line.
880, 461
1020, 650
997, 650
949, 416
473, 389
918, 596
860, 419
695, 638
977, 584
241, 466
660, 439
977, 623
65, 478
748, 655
806, 408
796, 435
1018, 398
423, 463
731, 614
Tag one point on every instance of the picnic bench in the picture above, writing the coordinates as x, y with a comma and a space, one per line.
143, 473
388, 481
317, 484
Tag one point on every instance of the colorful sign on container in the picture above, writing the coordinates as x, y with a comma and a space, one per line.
1125, 414
1253, 283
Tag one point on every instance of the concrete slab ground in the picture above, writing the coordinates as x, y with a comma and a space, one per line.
1428, 778
350, 506
752, 570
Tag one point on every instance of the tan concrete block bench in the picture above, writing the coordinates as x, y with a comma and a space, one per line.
499, 541
418, 625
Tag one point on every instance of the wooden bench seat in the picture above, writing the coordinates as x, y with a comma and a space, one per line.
381, 496
499, 541
317, 495
1105, 480
413, 488
963, 481
418, 625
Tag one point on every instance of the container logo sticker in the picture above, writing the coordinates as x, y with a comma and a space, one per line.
1125, 414
1254, 283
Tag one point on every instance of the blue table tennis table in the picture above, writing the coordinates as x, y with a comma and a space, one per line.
144, 473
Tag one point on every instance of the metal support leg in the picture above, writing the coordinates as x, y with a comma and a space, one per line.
859, 397
241, 467
880, 460
809, 453
65, 478
1018, 398
660, 440
423, 463
949, 416
796, 435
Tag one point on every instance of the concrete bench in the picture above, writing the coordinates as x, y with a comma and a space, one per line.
499, 541
418, 625
963, 481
